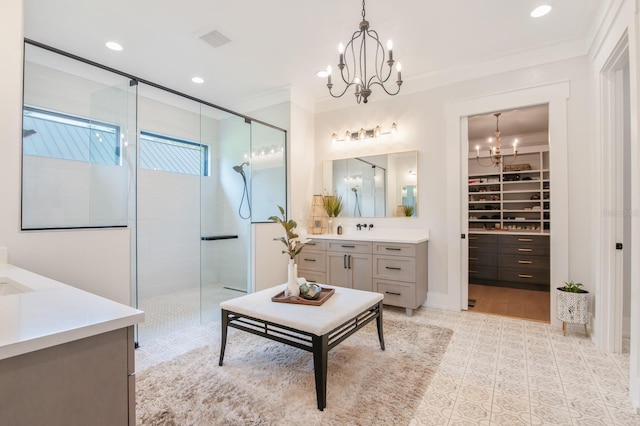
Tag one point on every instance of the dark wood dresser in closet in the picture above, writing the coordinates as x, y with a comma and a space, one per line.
509, 260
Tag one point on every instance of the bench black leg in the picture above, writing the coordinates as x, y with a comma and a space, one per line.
223, 344
379, 324
320, 355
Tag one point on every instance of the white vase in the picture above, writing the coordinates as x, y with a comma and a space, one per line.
292, 279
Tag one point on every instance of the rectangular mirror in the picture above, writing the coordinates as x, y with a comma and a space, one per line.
374, 186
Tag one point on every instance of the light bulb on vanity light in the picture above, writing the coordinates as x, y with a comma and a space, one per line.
334, 137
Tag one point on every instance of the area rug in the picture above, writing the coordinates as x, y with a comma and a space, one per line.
268, 383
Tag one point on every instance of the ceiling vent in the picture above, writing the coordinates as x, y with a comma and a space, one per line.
215, 38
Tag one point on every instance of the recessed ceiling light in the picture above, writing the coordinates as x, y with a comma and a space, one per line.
322, 74
113, 46
197, 80
540, 11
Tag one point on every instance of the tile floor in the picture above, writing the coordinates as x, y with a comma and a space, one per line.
496, 371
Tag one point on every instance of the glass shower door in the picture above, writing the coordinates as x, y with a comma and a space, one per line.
225, 224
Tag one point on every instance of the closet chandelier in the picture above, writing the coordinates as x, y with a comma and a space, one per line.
353, 64
495, 148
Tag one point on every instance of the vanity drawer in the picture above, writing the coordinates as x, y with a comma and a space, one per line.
396, 294
314, 245
311, 260
396, 268
313, 276
394, 249
349, 246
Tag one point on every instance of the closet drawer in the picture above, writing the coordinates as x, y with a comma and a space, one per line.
481, 258
311, 260
524, 249
395, 268
394, 249
349, 246
482, 273
524, 240
524, 263
520, 276
475, 239
396, 294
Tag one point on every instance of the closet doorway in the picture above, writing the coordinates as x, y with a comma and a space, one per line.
509, 213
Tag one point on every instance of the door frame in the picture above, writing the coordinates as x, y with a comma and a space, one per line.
556, 95
609, 298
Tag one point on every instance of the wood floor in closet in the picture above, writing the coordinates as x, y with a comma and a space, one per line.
510, 302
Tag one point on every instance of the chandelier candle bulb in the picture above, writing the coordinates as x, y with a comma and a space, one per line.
341, 52
390, 47
399, 69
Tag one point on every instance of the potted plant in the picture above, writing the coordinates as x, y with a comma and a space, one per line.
572, 305
333, 206
408, 210
293, 248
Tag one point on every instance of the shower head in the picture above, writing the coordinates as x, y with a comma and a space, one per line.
240, 168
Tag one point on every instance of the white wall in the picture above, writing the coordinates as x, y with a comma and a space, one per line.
421, 126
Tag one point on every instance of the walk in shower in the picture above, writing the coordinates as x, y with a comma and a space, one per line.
187, 178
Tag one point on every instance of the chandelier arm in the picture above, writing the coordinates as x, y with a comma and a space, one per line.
341, 93
385, 89
363, 59
380, 48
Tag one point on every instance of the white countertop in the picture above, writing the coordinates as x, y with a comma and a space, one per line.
381, 235
53, 313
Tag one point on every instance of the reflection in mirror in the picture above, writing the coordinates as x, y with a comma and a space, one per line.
374, 186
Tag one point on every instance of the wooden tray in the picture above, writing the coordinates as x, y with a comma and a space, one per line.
322, 297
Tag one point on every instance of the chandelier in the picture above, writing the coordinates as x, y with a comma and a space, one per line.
495, 148
353, 64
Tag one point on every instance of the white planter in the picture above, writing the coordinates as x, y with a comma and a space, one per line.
293, 289
572, 308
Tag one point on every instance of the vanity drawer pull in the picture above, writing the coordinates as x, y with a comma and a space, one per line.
525, 249
310, 244
473, 238
311, 281
473, 258
525, 276
473, 247
525, 262
472, 272
395, 268
393, 293
393, 248
309, 260
346, 246
526, 240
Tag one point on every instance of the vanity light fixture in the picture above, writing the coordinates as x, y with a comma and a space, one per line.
495, 148
364, 134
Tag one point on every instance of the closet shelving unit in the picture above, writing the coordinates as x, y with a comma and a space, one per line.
514, 197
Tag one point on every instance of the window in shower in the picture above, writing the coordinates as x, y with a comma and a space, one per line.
56, 135
165, 153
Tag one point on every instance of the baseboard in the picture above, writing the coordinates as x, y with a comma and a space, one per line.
438, 301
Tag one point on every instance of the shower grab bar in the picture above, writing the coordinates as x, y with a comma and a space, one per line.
218, 237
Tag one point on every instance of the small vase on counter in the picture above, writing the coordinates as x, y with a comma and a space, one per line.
293, 289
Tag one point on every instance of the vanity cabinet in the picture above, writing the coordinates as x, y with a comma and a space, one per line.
398, 270
312, 262
400, 273
349, 264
